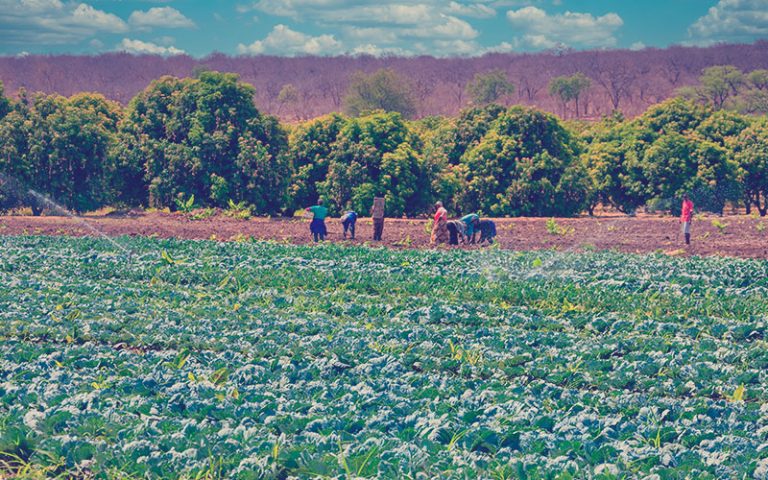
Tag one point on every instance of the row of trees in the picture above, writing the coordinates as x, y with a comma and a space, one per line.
308, 87
204, 137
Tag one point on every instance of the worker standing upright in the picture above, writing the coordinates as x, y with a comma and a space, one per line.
686, 218
440, 225
317, 226
377, 214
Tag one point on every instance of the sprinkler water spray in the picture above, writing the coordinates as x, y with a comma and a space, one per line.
15, 186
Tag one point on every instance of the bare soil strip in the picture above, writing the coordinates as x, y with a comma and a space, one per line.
733, 236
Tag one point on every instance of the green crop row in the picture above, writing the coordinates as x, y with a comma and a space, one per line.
263, 360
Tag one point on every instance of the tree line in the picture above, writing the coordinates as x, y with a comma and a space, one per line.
203, 140
300, 88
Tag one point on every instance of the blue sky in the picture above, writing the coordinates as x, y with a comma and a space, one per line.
378, 27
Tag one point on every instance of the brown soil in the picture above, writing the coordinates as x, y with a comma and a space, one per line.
740, 238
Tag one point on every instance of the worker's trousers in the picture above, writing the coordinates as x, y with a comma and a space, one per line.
378, 228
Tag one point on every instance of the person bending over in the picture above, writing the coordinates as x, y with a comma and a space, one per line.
487, 229
470, 221
348, 221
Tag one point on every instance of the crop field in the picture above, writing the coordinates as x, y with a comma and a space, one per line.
201, 359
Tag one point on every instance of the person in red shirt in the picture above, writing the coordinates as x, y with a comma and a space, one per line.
440, 224
686, 217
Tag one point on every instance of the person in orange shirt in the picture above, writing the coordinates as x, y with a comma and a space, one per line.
686, 217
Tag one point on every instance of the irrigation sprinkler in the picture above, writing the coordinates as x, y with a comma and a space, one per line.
18, 187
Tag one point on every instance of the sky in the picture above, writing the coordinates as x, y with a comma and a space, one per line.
376, 27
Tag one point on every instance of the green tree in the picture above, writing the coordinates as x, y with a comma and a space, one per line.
719, 83
204, 137
381, 90
758, 79
755, 99
262, 179
750, 151
373, 155
675, 115
526, 165
676, 164
722, 126
569, 89
16, 168
5, 104
288, 96
310, 148
489, 87
59, 148
466, 131
610, 161
403, 181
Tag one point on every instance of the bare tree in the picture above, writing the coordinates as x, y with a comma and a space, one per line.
615, 74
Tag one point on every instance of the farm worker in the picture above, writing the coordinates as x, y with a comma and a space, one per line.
377, 214
348, 221
440, 224
317, 226
471, 222
686, 217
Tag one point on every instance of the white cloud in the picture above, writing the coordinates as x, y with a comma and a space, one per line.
284, 41
732, 20
164, 17
437, 27
540, 30
141, 47
371, 35
447, 27
395, 14
637, 46
53, 22
476, 10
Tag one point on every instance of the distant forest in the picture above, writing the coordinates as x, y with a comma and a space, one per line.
620, 80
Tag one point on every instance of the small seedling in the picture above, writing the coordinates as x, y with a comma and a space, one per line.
553, 228
185, 206
720, 226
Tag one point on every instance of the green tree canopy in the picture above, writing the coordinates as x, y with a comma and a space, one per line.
751, 153
526, 165
758, 79
204, 137
377, 155
490, 87
384, 90
59, 147
311, 145
569, 89
721, 82
5, 103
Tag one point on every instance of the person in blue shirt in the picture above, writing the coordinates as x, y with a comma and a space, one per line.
471, 222
348, 221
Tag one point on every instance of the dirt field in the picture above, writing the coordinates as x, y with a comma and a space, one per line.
741, 236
